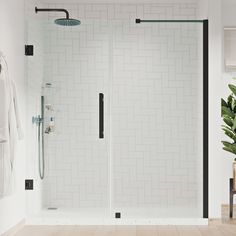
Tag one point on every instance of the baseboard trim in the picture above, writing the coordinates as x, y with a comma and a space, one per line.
14, 229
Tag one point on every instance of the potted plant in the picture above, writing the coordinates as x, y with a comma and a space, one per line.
228, 113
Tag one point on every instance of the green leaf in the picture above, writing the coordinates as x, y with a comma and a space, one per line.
226, 144
232, 104
224, 127
232, 88
232, 146
223, 103
230, 134
227, 112
228, 121
234, 124
229, 150
229, 100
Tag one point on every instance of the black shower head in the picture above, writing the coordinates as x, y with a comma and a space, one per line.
67, 21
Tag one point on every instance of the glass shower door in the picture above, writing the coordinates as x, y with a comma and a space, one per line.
141, 155
156, 120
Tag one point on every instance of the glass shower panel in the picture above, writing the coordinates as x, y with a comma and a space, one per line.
34, 74
157, 120
149, 163
76, 63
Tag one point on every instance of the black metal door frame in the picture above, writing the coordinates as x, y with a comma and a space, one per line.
205, 102
205, 117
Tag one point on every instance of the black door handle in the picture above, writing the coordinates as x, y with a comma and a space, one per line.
101, 115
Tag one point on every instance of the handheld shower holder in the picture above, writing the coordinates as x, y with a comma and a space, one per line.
37, 120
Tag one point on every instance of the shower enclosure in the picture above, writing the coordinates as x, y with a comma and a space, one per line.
130, 106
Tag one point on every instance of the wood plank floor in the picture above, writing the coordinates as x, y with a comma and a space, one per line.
225, 215
211, 230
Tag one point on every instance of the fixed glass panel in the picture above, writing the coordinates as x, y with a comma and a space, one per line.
157, 119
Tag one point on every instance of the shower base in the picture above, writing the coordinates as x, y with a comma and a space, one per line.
62, 216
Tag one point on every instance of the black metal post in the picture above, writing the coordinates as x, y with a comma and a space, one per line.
101, 115
231, 197
205, 118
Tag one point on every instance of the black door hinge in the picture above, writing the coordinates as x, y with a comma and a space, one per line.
29, 184
29, 50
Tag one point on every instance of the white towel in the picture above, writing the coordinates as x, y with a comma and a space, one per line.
17, 110
6, 175
14, 123
10, 131
4, 129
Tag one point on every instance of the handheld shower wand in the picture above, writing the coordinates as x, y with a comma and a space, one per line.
39, 121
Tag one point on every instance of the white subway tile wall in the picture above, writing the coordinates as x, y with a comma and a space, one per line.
151, 76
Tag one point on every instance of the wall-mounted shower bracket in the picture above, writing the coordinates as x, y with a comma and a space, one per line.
37, 120
53, 9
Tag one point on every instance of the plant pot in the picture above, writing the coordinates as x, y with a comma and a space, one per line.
234, 175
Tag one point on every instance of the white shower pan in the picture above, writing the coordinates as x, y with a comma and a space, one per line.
102, 217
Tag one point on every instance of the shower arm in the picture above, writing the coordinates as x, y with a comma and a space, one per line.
53, 10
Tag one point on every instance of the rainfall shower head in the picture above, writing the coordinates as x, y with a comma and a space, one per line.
67, 21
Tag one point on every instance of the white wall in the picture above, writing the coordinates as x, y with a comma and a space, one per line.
228, 20
215, 168
12, 208
203, 9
